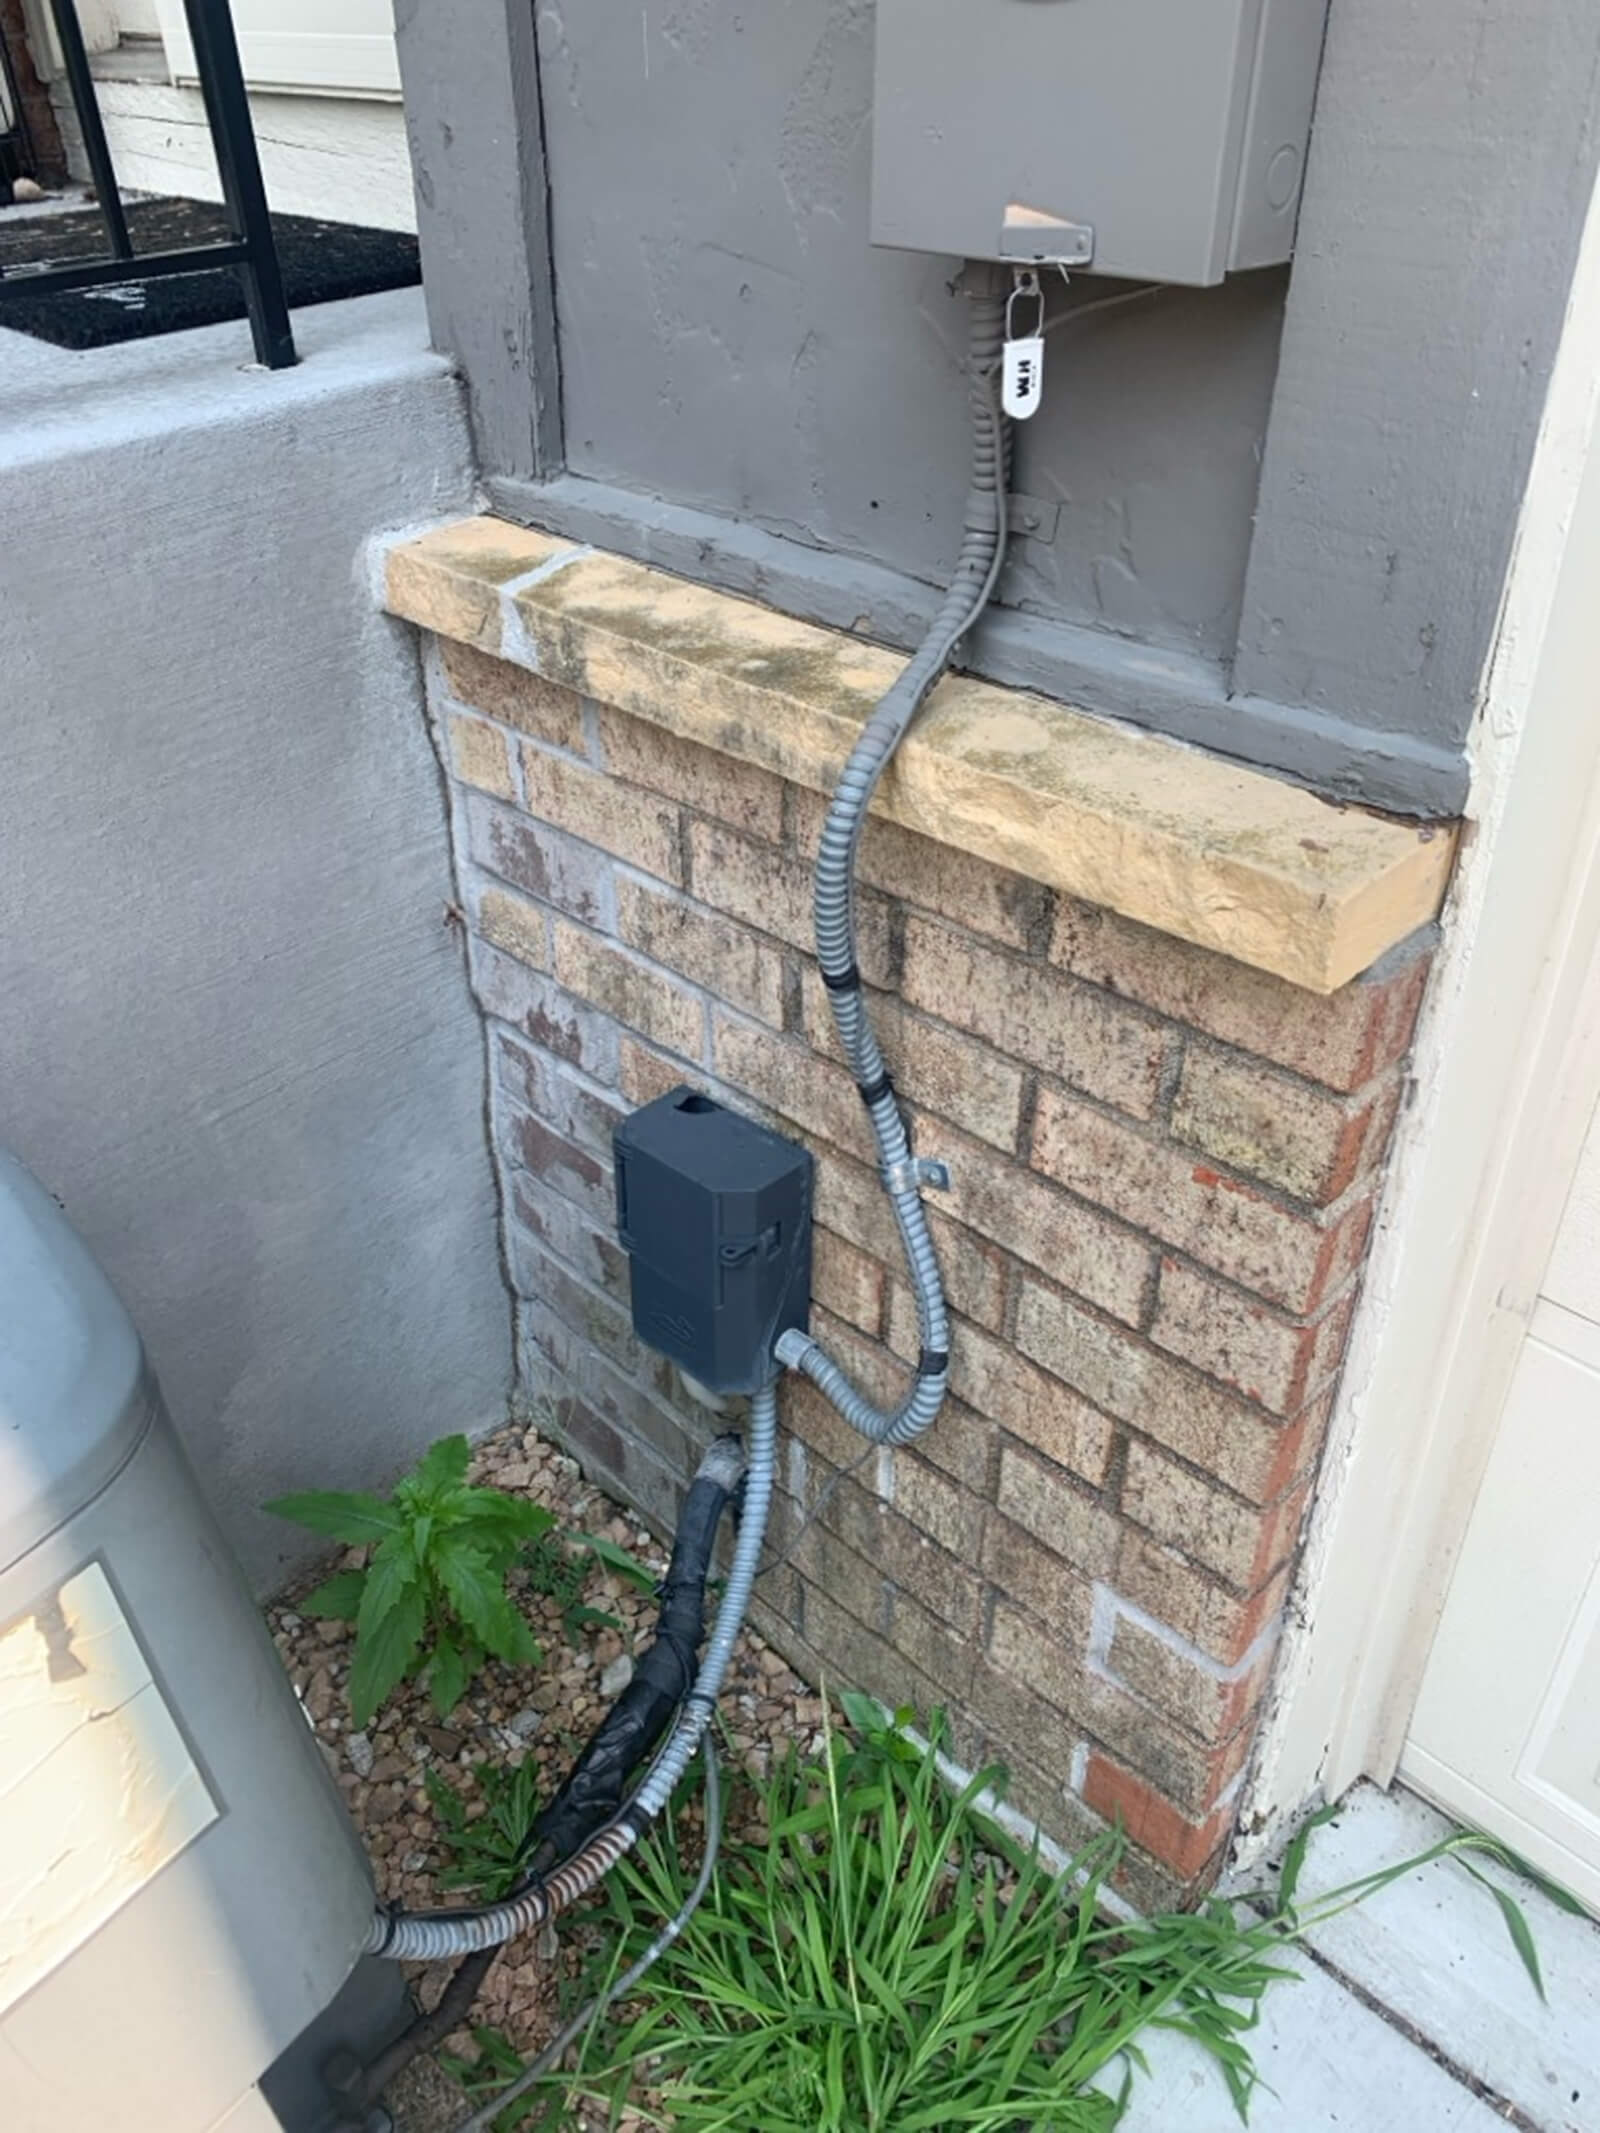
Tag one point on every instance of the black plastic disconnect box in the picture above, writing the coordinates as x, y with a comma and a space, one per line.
715, 1214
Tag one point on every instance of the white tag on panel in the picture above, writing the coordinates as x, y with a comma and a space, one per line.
1022, 376
1022, 363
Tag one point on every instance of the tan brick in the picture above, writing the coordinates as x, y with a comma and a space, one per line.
846, 1281
514, 696
1289, 1132
1207, 1614
619, 818
854, 1581
545, 1087
644, 1075
959, 1442
1136, 1383
543, 1011
1015, 1716
513, 924
906, 1555
935, 1648
1042, 1500
983, 898
641, 998
932, 1066
792, 1082
1191, 1773
1153, 1823
1270, 1358
855, 1656
1238, 1541
769, 890
1210, 1701
993, 1378
544, 862
1100, 1259
1037, 1579
710, 951
1341, 1039
937, 1506
1291, 1258
1035, 1654
851, 1200
572, 1234
480, 756
702, 778
1030, 1012
528, 1143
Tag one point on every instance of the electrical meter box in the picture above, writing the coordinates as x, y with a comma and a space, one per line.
715, 1213
1163, 140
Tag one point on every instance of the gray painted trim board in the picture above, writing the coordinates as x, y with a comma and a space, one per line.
1111, 676
475, 125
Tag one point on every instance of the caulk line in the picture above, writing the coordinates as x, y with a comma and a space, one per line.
515, 643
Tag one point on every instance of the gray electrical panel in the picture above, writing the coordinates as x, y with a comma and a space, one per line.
1159, 139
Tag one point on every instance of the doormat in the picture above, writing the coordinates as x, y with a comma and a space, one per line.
320, 261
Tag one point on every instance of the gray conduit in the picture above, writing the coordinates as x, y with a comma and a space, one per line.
445, 1935
982, 553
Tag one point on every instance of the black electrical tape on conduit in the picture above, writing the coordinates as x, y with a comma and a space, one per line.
597, 1783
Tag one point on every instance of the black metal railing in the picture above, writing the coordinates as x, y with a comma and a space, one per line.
248, 247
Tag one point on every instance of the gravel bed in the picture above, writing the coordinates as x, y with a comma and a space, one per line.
507, 1718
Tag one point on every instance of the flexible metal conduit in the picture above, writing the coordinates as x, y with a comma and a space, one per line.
982, 553
438, 1936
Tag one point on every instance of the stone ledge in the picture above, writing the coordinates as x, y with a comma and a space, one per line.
1212, 853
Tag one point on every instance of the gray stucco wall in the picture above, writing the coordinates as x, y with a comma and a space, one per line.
236, 1039
1277, 514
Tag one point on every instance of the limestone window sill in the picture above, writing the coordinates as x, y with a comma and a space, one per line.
1208, 851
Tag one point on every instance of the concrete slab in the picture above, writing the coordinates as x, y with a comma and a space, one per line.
1432, 1949
1333, 2065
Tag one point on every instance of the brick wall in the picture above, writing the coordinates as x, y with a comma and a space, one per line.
1163, 1175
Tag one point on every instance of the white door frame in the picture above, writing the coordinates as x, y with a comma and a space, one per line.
1504, 1078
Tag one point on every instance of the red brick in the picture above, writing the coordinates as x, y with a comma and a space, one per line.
1342, 1040
1210, 1701
1219, 1622
1033, 1013
1191, 1773
1150, 1821
1292, 1258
